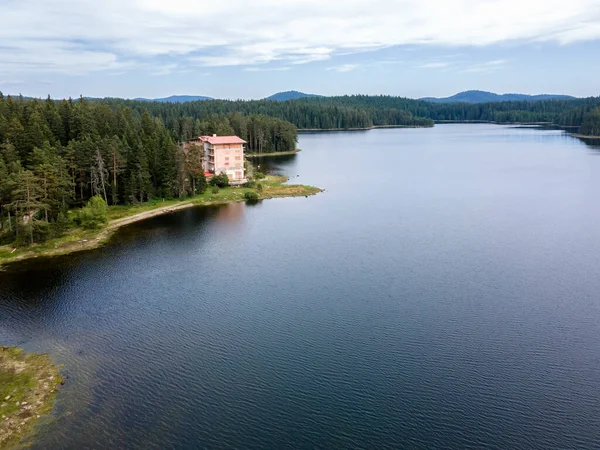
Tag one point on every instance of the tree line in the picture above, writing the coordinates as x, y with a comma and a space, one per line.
568, 113
365, 111
55, 155
329, 114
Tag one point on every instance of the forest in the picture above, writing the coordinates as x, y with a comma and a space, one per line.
55, 155
59, 154
569, 113
327, 114
591, 124
364, 111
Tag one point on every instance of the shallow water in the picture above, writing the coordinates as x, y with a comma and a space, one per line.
442, 292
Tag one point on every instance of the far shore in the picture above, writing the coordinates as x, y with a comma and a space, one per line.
262, 155
493, 122
78, 239
374, 127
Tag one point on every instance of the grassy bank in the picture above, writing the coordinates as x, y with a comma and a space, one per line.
77, 239
28, 384
262, 155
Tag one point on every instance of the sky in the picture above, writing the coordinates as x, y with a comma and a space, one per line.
254, 48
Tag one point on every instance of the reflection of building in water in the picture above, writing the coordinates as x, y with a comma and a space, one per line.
221, 154
230, 215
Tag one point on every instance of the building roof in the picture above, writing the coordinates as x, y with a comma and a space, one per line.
222, 140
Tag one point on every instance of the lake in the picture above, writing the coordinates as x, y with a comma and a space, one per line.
443, 292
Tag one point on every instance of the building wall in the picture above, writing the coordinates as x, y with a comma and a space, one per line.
228, 159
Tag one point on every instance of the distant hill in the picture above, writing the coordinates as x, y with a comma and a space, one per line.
484, 97
175, 99
290, 95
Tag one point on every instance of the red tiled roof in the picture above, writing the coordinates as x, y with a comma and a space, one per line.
222, 139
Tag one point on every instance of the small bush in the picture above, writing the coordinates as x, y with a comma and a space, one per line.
215, 189
259, 187
259, 175
221, 180
250, 184
251, 196
95, 214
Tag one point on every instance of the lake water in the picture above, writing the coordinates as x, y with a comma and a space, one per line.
443, 292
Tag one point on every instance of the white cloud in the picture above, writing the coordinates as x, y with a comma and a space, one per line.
79, 36
267, 69
344, 67
11, 82
434, 65
487, 67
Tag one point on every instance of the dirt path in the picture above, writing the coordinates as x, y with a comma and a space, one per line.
114, 224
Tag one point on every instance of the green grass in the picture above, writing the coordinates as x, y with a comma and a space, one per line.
13, 385
28, 383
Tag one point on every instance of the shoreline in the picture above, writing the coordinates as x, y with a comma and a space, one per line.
584, 136
79, 240
263, 155
374, 127
493, 122
28, 386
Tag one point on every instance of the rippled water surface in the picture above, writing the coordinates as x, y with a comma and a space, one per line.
443, 292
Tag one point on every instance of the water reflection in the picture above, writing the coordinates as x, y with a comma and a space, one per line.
276, 165
593, 144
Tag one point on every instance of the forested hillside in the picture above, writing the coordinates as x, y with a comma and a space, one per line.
559, 112
55, 155
322, 113
487, 97
363, 111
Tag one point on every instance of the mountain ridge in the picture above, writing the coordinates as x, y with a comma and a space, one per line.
475, 96
289, 95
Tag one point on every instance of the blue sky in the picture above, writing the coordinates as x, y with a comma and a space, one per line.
238, 49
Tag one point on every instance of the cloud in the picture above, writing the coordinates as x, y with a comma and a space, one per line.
486, 67
344, 67
11, 82
434, 65
267, 69
78, 36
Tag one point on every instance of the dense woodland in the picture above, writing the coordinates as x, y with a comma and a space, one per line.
571, 113
304, 115
591, 123
363, 111
58, 154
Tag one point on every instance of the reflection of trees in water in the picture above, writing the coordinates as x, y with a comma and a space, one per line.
274, 165
593, 144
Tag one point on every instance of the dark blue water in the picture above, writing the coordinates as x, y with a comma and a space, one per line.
443, 292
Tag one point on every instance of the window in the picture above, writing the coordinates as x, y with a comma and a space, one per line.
227, 158
237, 158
